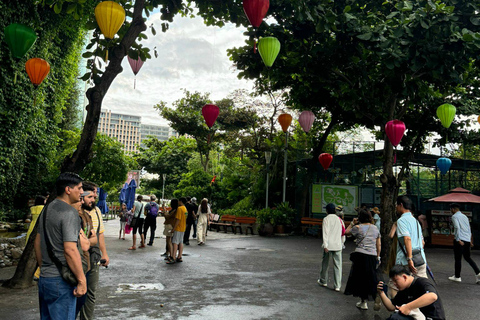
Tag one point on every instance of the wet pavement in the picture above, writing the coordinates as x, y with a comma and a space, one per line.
235, 277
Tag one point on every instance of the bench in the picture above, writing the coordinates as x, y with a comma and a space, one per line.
307, 223
226, 221
214, 219
245, 221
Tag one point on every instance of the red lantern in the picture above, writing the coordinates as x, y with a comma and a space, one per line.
210, 113
37, 70
285, 119
395, 130
306, 119
255, 11
325, 160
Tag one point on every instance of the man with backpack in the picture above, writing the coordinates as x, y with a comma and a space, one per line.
151, 219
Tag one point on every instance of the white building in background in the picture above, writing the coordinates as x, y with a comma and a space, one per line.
129, 130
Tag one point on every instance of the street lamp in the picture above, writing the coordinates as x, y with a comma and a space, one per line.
285, 120
268, 157
164, 175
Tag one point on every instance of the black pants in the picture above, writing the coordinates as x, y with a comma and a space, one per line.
150, 222
186, 236
464, 251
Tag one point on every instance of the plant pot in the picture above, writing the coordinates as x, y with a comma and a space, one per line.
266, 230
280, 229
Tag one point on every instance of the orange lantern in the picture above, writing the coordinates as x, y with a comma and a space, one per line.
285, 120
37, 70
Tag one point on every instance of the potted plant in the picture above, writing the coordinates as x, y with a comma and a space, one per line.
265, 222
283, 217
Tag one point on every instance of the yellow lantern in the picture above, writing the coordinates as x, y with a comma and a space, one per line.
110, 17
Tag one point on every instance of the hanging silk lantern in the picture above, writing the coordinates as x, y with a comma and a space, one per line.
37, 70
478, 119
269, 47
446, 113
325, 160
285, 120
395, 130
136, 65
210, 113
255, 10
306, 119
444, 165
20, 39
110, 17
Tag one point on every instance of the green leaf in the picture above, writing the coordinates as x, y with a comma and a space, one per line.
468, 37
393, 14
424, 24
58, 7
475, 20
71, 7
347, 9
366, 36
87, 54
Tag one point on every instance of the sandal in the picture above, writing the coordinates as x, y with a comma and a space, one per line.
179, 260
168, 258
142, 246
132, 248
171, 261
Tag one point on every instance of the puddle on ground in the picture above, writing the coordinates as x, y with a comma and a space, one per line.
256, 249
138, 287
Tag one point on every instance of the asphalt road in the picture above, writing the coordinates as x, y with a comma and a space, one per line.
236, 277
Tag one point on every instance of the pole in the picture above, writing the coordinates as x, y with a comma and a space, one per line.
163, 190
266, 196
285, 167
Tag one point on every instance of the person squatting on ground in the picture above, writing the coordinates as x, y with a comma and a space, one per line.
60, 230
203, 214
417, 297
191, 218
151, 219
98, 253
410, 238
168, 227
362, 281
332, 247
462, 242
138, 210
123, 220
178, 232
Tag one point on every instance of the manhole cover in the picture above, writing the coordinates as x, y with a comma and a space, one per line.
138, 287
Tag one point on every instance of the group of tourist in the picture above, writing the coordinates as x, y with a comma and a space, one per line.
184, 214
408, 292
70, 248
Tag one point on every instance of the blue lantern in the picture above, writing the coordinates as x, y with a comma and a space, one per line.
444, 165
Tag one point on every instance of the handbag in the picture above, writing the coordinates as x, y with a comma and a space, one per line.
399, 316
417, 257
135, 220
354, 253
65, 271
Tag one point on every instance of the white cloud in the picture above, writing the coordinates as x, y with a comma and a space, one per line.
191, 56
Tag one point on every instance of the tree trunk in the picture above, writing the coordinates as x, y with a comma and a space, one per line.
81, 157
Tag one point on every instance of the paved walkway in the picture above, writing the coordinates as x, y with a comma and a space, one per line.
235, 277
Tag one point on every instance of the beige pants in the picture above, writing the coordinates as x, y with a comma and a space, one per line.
202, 227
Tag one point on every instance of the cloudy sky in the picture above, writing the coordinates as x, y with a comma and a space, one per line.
191, 56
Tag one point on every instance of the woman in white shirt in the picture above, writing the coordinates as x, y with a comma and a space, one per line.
203, 213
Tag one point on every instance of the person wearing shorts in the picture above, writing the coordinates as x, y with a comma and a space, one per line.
138, 212
178, 232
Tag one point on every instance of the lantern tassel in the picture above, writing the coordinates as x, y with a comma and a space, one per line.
15, 78
106, 56
134, 83
208, 139
254, 46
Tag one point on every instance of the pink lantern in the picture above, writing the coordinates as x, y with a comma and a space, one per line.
325, 160
306, 119
136, 65
210, 113
395, 130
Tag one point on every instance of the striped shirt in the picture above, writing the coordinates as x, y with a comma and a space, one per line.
95, 220
462, 227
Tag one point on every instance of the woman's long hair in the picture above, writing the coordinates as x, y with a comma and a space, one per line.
204, 206
173, 204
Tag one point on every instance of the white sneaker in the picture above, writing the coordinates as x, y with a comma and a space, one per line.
337, 289
459, 279
362, 305
320, 283
478, 278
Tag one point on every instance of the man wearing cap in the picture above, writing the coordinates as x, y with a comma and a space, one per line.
332, 247
462, 243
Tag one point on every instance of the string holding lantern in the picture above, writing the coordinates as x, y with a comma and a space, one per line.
444, 164
306, 120
269, 47
136, 65
255, 10
19, 39
110, 17
395, 129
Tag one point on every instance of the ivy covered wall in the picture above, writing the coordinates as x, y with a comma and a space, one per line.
32, 133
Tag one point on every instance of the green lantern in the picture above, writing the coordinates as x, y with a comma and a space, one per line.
446, 113
19, 38
269, 47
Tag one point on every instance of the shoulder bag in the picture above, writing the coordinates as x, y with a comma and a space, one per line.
417, 257
134, 221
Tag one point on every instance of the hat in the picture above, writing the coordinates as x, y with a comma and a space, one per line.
194, 199
153, 198
376, 210
339, 208
330, 208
